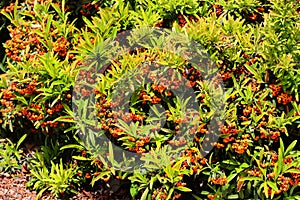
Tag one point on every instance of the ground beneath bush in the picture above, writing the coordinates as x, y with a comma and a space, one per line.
13, 187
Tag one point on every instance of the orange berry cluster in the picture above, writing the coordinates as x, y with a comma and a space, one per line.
50, 124
142, 141
180, 183
23, 37
161, 193
245, 112
217, 9
284, 98
194, 161
7, 110
58, 107
85, 9
10, 8
8, 97
25, 44
285, 181
276, 89
26, 89
241, 70
225, 75
139, 144
108, 122
26, 115
274, 135
288, 160
127, 117
88, 76
269, 191
61, 46
154, 99
219, 145
218, 180
83, 92
228, 133
256, 172
229, 129
240, 146
182, 21
88, 8
7, 94
192, 75
211, 196
295, 178
32, 115
178, 142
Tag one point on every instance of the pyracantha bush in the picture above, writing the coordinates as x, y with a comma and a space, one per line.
255, 45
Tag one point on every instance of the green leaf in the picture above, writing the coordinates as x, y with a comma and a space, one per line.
41, 192
272, 185
251, 179
72, 146
21, 140
22, 99
145, 194
57, 9
231, 176
266, 189
134, 190
255, 73
170, 193
48, 25
183, 189
111, 157
8, 16
297, 171
88, 22
290, 147
81, 158
233, 196
280, 162
198, 198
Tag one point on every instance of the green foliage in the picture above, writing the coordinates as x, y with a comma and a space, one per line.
11, 158
255, 45
59, 179
272, 174
169, 9
4, 22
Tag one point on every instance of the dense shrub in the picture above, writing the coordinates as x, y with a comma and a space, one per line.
4, 35
255, 45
